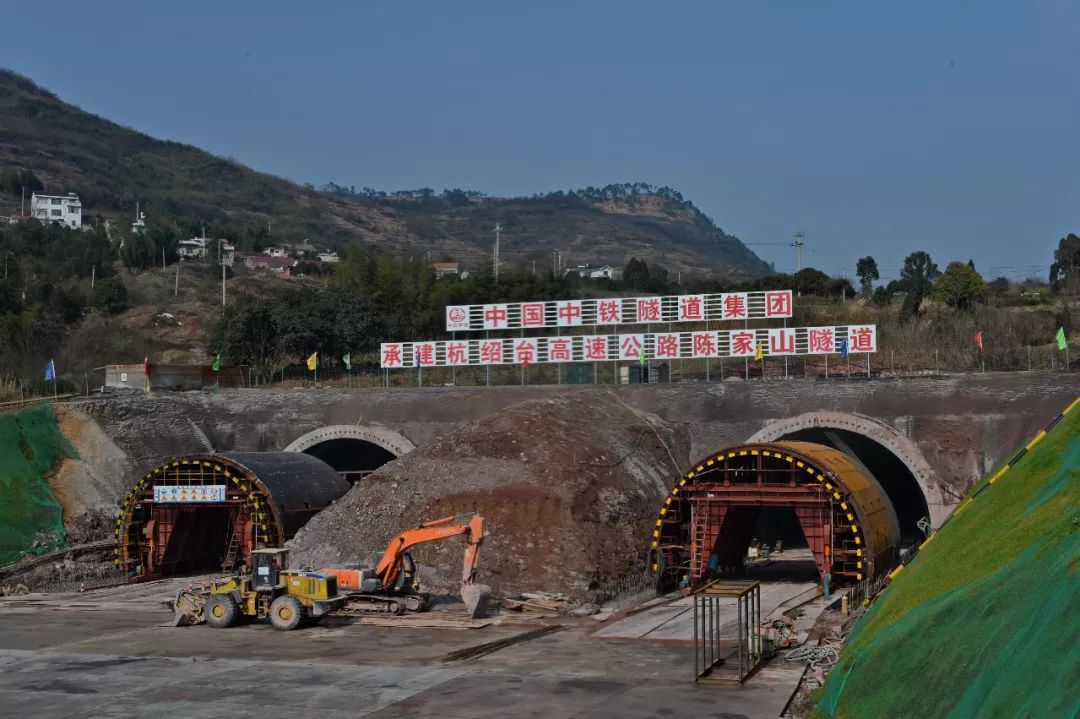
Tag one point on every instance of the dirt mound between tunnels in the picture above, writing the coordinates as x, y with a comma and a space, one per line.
569, 488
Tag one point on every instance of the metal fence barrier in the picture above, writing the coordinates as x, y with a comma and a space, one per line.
726, 652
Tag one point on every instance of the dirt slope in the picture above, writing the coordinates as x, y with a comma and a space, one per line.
569, 487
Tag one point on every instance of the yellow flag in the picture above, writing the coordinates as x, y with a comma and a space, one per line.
758, 353
313, 361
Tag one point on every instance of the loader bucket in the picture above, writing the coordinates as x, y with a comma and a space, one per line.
188, 607
476, 598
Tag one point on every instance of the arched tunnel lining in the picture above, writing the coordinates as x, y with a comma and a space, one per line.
889, 470
352, 458
354, 450
712, 513
207, 512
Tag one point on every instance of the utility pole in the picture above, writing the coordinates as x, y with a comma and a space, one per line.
800, 240
498, 232
555, 264
223, 285
93, 274
176, 282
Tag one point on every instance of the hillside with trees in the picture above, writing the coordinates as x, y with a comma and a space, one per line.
49, 145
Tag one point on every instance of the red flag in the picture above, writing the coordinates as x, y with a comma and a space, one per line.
978, 340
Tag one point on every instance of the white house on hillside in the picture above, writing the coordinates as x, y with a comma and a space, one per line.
592, 273
65, 209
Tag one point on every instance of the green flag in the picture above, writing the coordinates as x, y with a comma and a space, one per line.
347, 359
217, 362
1062, 342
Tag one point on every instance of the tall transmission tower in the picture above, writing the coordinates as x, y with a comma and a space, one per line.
498, 232
800, 240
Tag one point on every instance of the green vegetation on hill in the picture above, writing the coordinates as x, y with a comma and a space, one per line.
48, 144
984, 621
30, 446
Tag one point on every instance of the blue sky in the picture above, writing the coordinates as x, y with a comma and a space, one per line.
878, 127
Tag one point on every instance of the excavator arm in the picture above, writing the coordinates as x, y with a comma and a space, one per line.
470, 525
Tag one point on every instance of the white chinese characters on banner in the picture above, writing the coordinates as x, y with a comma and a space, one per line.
189, 493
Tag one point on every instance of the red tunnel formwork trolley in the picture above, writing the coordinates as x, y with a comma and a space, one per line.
709, 517
206, 512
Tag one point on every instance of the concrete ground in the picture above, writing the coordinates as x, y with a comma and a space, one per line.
793, 579
106, 654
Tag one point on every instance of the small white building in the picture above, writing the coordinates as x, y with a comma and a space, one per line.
192, 249
275, 252
329, 257
65, 209
446, 269
606, 272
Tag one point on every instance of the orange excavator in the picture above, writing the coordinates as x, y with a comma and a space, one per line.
391, 584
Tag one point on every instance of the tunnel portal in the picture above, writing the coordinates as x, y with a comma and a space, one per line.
355, 451
712, 513
203, 513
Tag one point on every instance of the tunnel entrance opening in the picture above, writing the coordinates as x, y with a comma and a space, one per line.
777, 550
891, 473
191, 538
205, 513
718, 508
353, 458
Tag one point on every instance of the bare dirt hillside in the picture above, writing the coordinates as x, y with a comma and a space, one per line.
569, 486
111, 167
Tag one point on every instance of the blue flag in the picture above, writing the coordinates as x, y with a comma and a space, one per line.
50, 371
843, 349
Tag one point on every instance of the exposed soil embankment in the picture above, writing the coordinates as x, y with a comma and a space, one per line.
569, 487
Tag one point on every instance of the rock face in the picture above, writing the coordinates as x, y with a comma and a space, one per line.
569, 488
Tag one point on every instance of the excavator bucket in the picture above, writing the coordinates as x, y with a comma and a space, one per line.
477, 599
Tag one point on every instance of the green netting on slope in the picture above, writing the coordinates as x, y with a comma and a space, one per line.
985, 622
30, 445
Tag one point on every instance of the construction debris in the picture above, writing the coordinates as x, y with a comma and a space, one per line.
568, 486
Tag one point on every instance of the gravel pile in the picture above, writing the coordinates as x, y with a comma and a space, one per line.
569, 488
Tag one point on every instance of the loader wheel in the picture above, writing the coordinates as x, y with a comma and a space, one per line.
287, 613
221, 611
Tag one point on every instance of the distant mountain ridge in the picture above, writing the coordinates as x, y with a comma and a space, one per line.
112, 167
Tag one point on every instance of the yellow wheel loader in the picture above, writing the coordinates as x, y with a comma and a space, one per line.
288, 598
